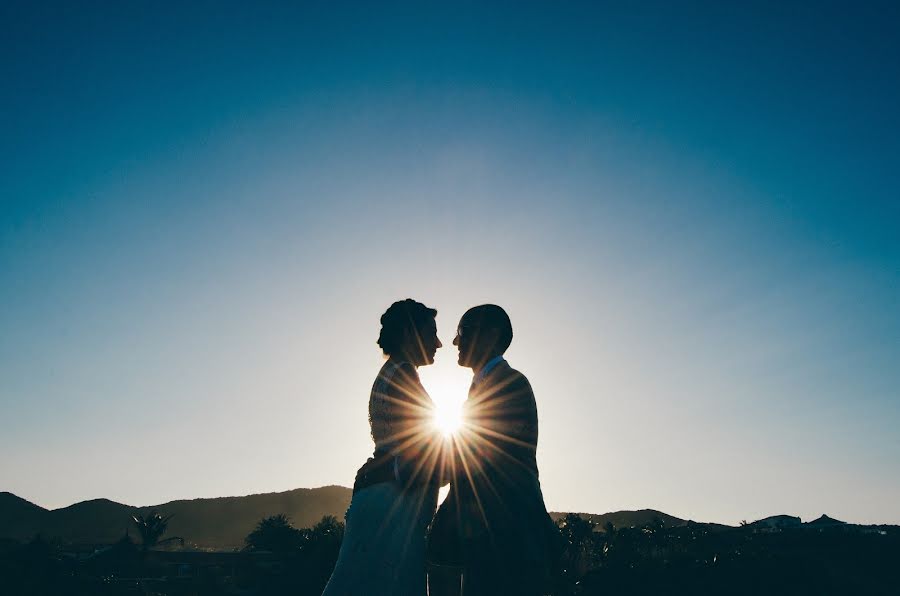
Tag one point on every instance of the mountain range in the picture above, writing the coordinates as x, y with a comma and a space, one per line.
224, 522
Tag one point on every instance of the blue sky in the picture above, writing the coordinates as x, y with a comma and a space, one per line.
690, 213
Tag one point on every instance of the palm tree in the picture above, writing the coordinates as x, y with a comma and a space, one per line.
151, 529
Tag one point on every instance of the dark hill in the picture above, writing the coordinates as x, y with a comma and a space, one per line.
629, 519
18, 515
825, 521
226, 521
214, 523
94, 521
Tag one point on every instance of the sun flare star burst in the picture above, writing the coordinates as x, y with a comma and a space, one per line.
447, 384
447, 418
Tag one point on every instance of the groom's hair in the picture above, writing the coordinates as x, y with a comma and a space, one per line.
491, 316
402, 316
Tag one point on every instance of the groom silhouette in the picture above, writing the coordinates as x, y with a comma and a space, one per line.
493, 525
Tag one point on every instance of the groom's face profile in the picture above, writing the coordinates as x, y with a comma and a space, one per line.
483, 333
463, 343
474, 343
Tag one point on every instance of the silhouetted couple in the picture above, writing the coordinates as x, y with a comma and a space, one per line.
492, 535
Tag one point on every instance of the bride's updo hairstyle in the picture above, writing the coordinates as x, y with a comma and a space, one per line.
401, 317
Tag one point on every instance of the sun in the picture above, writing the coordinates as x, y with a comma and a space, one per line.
448, 386
447, 418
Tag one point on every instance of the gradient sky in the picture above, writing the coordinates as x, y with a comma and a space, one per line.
691, 214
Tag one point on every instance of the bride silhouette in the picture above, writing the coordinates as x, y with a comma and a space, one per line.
395, 492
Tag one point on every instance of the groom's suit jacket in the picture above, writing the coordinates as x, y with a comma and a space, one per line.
495, 508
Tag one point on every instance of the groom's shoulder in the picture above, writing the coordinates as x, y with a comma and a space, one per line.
515, 379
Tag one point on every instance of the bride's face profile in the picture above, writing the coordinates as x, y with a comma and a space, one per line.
422, 344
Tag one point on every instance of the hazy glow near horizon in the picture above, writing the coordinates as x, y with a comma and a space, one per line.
690, 215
